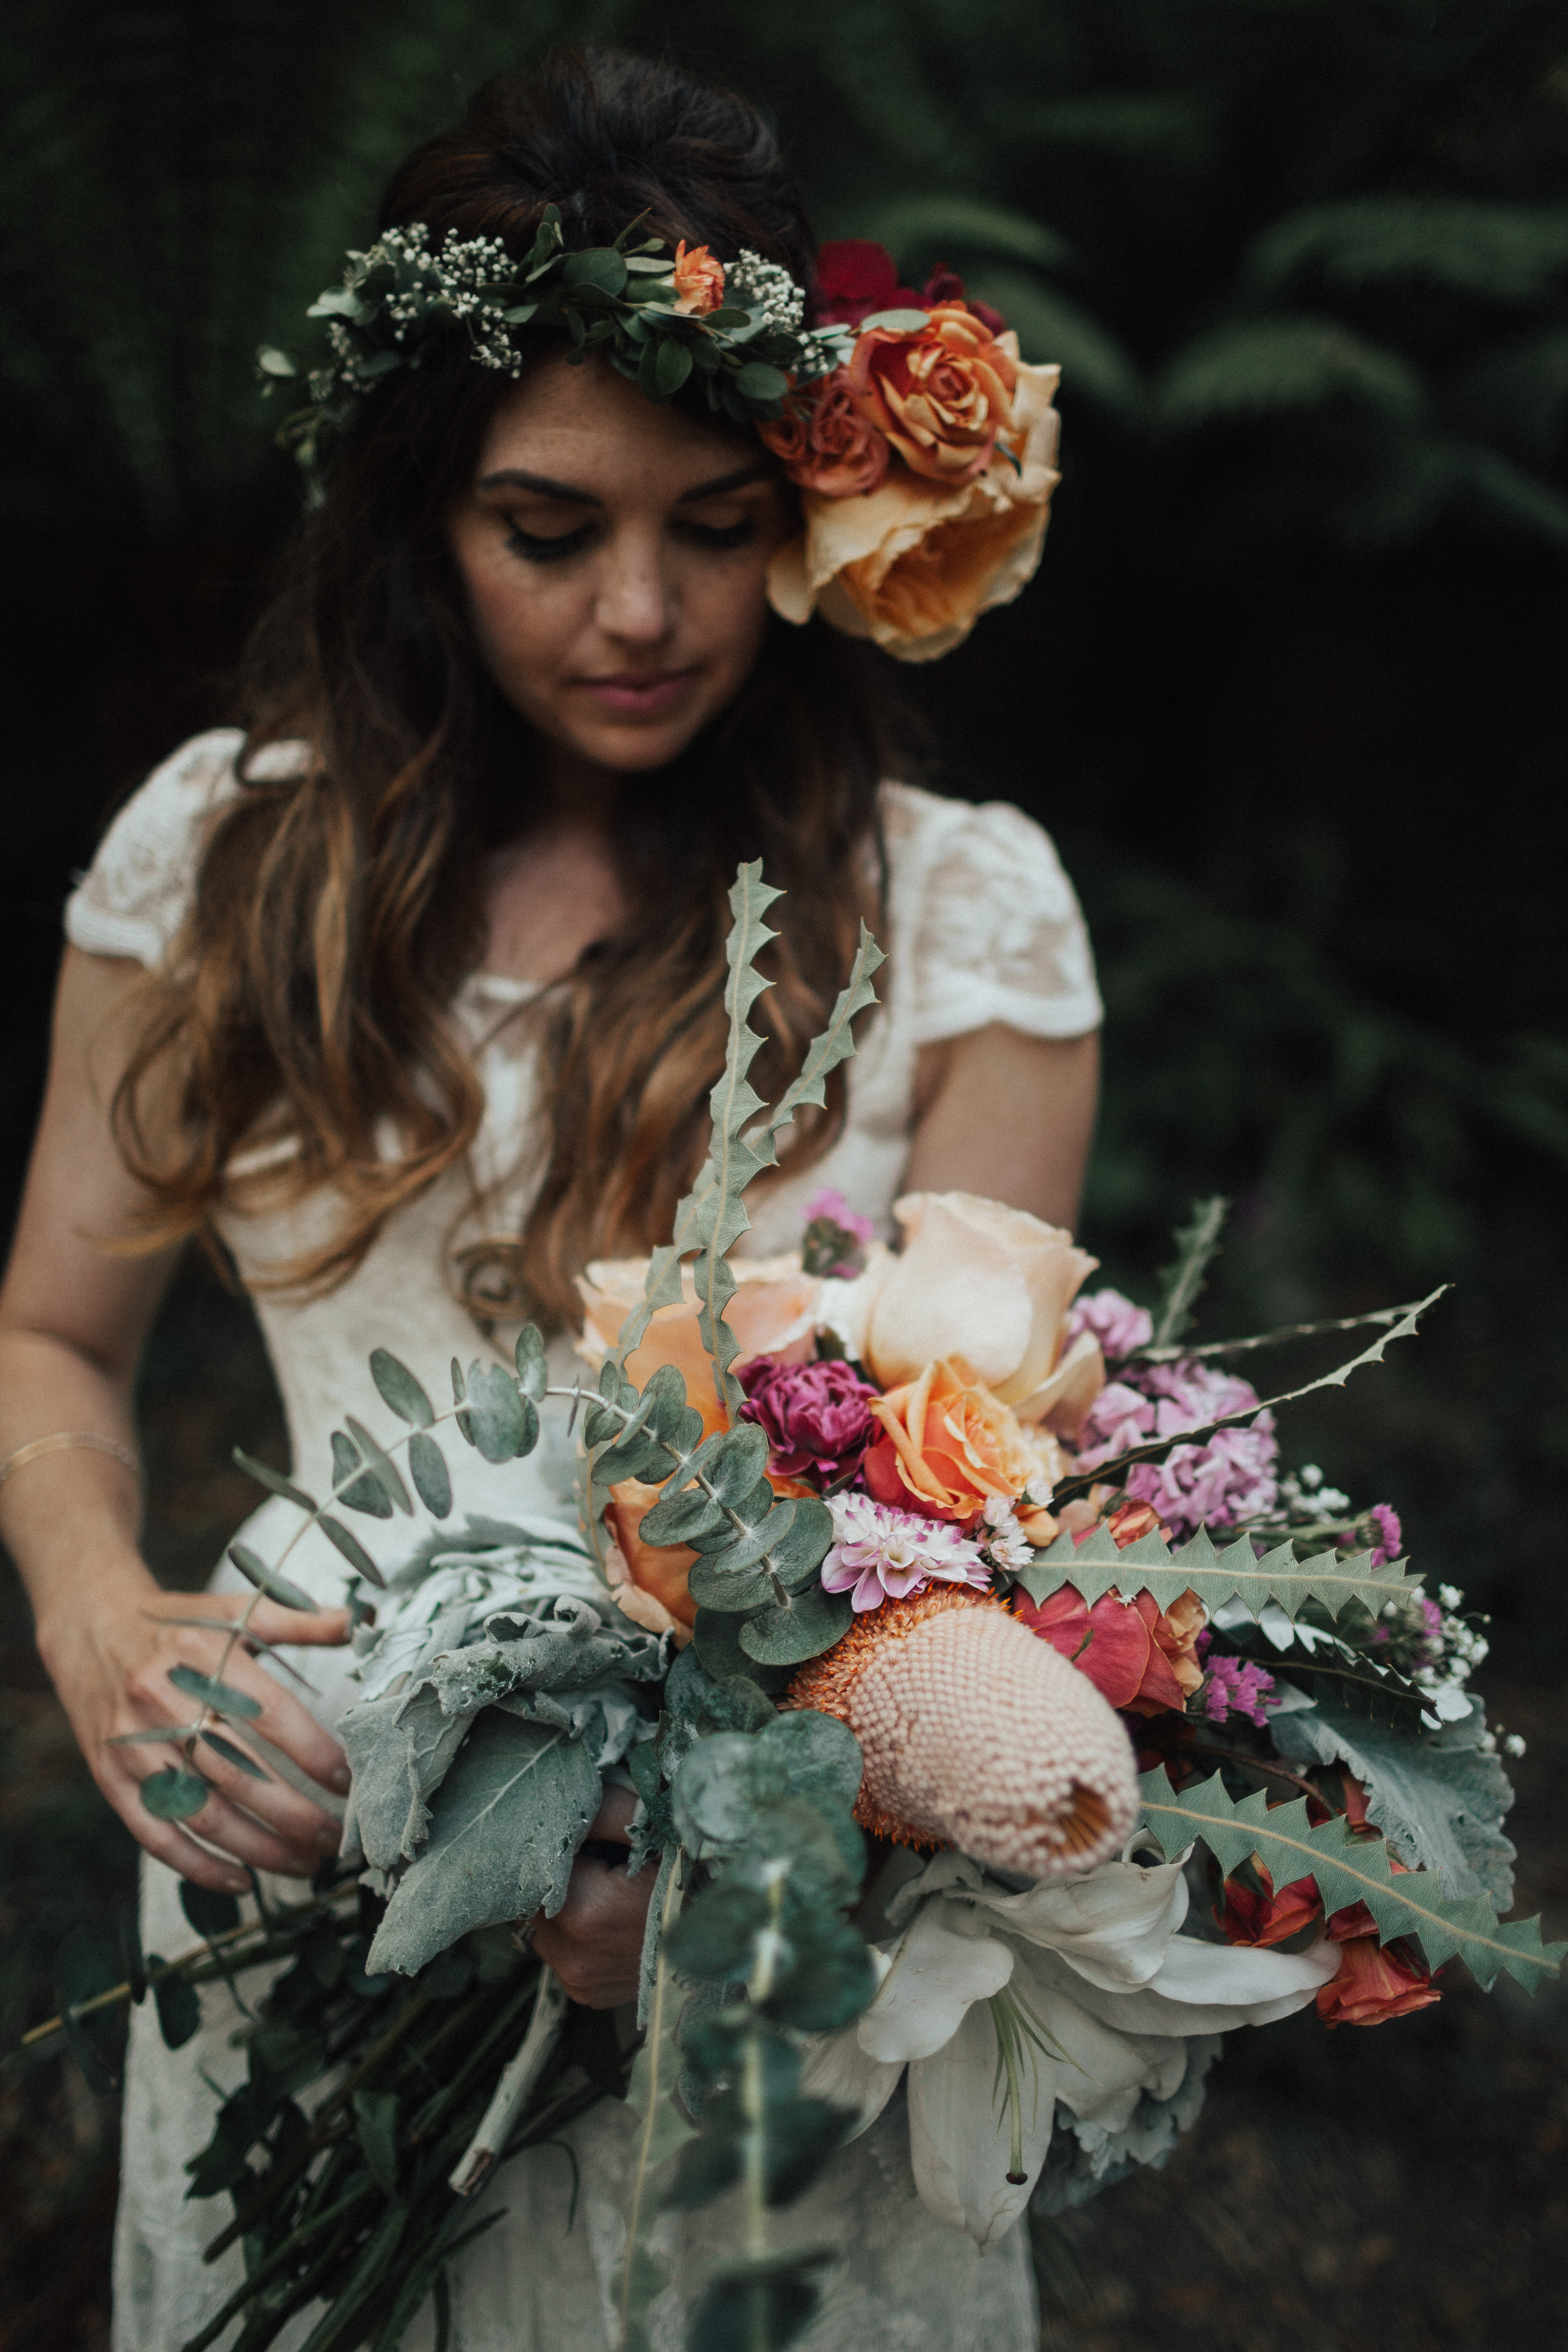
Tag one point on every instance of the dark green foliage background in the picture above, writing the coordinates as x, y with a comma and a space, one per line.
1288, 689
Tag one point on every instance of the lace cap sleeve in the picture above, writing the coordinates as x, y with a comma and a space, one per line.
999, 935
133, 897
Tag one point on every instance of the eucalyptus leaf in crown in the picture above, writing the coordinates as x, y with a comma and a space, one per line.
660, 319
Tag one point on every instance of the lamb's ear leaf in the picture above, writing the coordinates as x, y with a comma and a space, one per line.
1347, 1868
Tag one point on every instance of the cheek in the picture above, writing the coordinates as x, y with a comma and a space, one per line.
519, 622
727, 610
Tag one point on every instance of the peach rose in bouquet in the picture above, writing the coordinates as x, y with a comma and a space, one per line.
945, 1448
950, 532
990, 1283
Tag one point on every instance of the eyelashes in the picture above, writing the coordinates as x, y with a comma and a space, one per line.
560, 548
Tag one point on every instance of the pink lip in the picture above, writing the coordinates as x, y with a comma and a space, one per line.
637, 694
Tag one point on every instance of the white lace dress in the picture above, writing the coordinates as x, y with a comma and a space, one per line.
982, 926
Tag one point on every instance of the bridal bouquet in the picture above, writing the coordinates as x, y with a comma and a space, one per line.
1007, 1726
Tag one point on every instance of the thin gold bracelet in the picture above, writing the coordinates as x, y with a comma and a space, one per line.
61, 1442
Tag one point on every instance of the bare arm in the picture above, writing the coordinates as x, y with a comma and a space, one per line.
1008, 1117
73, 1319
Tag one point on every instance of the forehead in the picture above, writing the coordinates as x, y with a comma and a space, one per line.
590, 427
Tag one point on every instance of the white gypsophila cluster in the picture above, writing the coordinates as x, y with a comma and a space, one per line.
764, 288
456, 280
1306, 1498
1454, 1647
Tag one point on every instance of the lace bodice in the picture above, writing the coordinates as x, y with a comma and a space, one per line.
982, 926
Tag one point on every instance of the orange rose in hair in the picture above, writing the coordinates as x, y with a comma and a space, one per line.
940, 392
826, 443
699, 280
946, 1446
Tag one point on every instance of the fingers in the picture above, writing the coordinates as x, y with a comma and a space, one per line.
282, 1720
614, 1817
221, 1822
594, 1941
323, 1628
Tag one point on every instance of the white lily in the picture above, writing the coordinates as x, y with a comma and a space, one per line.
1101, 1997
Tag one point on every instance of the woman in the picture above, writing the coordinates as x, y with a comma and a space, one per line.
412, 991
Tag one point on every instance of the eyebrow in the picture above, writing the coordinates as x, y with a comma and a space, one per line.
513, 478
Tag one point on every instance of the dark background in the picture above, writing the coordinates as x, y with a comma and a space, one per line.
1288, 690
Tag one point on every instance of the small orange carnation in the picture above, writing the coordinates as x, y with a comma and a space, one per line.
699, 280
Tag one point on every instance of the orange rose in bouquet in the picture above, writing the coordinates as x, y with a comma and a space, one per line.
946, 1447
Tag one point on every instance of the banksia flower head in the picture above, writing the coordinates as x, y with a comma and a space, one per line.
976, 1735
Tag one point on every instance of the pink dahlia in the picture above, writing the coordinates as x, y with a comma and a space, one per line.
883, 1554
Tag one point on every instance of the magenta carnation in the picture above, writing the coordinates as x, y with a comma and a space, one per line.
1116, 1323
818, 1416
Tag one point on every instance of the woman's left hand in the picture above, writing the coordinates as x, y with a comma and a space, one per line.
594, 1941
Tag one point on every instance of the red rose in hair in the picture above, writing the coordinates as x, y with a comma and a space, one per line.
856, 276
945, 285
825, 442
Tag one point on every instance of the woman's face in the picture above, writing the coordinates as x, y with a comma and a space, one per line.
615, 555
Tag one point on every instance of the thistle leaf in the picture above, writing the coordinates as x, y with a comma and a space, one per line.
1349, 1869
1180, 1284
1095, 1566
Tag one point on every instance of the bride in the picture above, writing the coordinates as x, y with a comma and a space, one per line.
408, 989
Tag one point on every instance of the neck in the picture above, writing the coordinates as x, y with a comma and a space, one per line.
578, 795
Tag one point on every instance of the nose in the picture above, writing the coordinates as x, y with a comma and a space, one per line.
636, 601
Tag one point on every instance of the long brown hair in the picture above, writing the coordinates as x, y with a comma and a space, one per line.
337, 912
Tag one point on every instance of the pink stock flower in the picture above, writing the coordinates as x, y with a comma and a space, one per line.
818, 1416
1116, 1323
1237, 1686
1386, 1520
883, 1554
826, 1203
1225, 1483
837, 1236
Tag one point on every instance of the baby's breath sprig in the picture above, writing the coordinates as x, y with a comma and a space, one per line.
402, 298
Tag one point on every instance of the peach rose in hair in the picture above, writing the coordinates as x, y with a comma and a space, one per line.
699, 280
939, 393
914, 564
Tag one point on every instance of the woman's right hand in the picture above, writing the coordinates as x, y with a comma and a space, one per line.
110, 1658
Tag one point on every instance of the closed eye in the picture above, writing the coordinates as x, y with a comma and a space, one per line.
552, 549
717, 536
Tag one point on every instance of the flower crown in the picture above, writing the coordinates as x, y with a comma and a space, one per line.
921, 444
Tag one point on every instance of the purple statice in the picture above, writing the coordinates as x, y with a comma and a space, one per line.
1236, 1686
1116, 1323
1225, 1483
882, 1554
1385, 1519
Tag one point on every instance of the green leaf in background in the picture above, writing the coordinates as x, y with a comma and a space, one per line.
507, 1819
427, 1468
210, 1912
367, 1493
178, 2005
376, 2121
400, 1389
89, 1963
219, 1696
382, 1467
1504, 253
1198, 1245
345, 1541
1271, 367
913, 229
1095, 1566
267, 1579
176, 1794
1349, 1870
1438, 1799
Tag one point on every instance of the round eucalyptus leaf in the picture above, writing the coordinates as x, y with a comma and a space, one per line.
400, 1389
427, 1468
821, 1756
787, 1636
176, 1794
